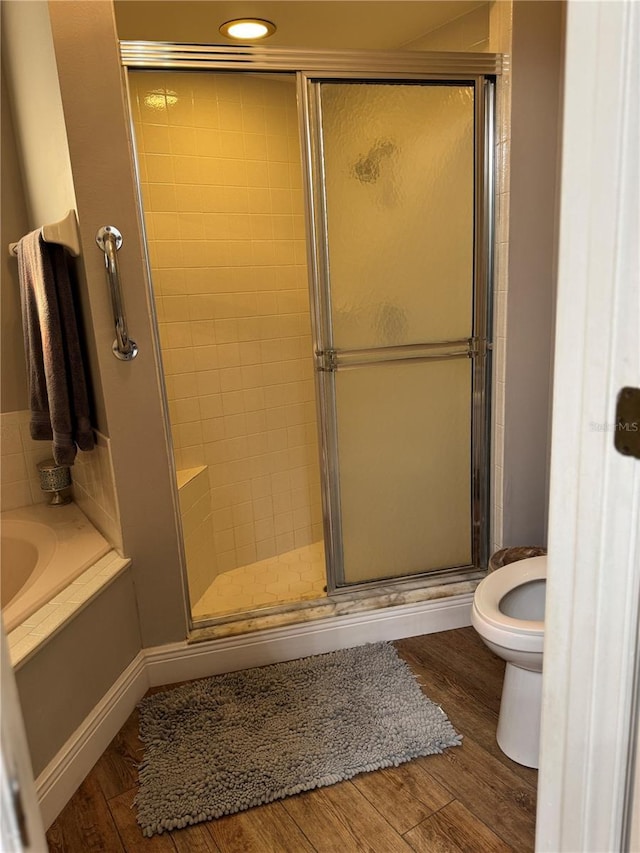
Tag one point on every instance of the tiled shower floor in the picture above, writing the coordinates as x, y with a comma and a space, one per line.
298, 575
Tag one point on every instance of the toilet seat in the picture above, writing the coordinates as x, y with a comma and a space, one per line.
518, 634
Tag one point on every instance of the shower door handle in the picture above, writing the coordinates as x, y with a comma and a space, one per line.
331, 360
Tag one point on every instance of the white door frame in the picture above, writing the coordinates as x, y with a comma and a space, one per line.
21, 829
591, 623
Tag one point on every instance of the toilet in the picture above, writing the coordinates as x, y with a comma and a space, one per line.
508, 614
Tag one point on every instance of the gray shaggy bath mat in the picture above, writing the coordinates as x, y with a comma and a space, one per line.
224, 744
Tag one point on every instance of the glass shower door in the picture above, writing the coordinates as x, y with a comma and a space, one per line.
397, 323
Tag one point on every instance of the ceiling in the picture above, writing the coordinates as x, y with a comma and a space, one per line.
332, 24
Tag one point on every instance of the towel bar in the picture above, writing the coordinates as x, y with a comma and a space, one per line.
64, 232
109, 239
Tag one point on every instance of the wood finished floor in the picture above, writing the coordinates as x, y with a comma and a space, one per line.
471, 798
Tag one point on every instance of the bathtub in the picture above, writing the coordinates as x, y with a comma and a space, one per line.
44, 549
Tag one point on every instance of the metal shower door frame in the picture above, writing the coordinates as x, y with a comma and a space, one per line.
478, 347
314, 65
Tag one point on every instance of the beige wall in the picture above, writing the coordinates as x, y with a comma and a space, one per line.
13, 224
537, 56
468, 32
222, 191
27, 50
71, 673
99, 144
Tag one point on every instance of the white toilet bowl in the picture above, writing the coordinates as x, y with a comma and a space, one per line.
508, 614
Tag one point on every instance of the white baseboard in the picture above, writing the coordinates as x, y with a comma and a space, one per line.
66, 771
182, 662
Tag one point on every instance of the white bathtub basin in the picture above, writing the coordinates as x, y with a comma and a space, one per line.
44, 549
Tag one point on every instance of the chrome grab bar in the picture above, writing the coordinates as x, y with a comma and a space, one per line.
109, 239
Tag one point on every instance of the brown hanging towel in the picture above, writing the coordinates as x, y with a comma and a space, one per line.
58, 397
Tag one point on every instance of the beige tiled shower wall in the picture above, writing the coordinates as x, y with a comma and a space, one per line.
221, 181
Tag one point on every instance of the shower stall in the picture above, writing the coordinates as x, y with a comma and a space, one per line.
319, 245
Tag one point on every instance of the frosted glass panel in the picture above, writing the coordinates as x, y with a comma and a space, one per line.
404, 433
398, 163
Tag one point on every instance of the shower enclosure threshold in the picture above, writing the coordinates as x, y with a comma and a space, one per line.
388, 594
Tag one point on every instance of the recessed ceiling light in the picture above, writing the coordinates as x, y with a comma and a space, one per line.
248, 29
